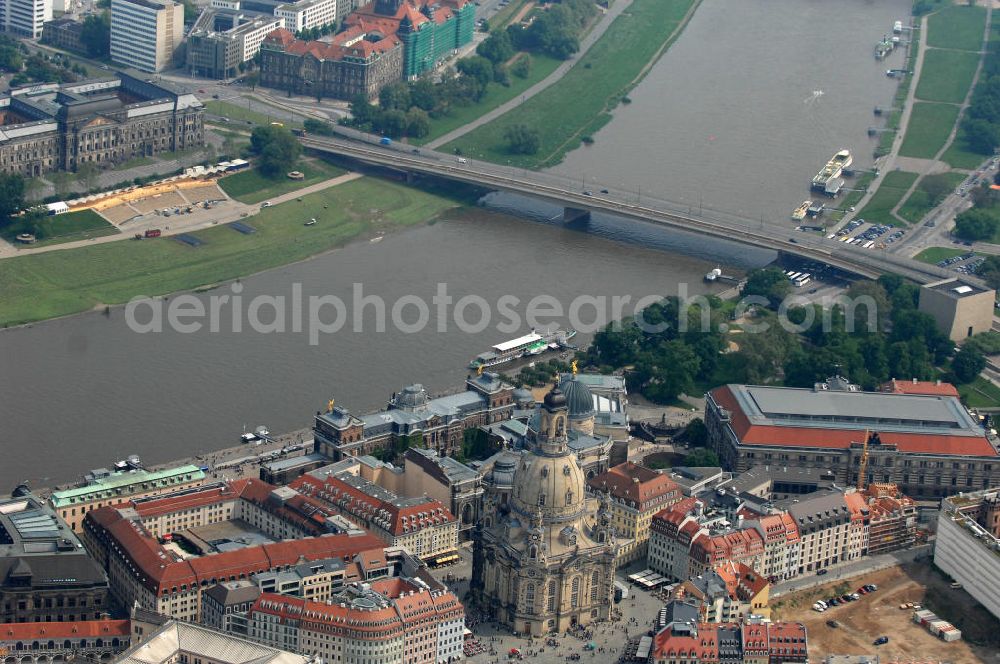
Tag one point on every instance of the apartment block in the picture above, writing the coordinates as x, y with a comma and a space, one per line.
145, 33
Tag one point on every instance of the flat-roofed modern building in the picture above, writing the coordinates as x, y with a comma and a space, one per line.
187, 643
100, 489
928, 445
45, 574
25, 18
145, 33
968, 544
222, 40
960, 309
307, 14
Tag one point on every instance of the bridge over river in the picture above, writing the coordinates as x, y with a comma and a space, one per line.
578, 201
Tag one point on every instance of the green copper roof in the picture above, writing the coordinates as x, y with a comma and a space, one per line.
114, 484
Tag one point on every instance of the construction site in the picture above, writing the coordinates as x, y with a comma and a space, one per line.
853, 628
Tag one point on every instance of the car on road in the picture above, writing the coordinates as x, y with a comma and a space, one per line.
881, 641
822, 571
588, 193
200, 91
266, 204
215, 96
604, 191
833, 623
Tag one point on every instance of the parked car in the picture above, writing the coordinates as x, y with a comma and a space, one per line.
881, 641
833, 623
822, 571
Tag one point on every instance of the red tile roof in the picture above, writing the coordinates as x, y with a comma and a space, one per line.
161, 571
64, 630
637, 485
351, 42
816, 437
920, 387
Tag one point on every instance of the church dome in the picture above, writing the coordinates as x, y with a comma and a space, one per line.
579, 400
552, 485
555, 399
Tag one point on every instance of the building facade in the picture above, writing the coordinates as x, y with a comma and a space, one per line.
145, 33
101, 488
422, 525
968, 544
928, 445
45, 574
63, 33
754, 642
356, 62
398, 620
636, 494
413, 419
959, 309
449, 481
544, 560
55, 127
221, 41
88, 640
307, 14
25, 18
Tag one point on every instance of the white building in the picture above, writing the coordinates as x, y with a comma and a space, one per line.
968, 544
308, 14
25, 17
145, 33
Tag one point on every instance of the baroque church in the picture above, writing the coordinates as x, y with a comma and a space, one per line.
544, 560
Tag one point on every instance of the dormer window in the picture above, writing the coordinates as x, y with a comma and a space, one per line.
545, 472
541, 499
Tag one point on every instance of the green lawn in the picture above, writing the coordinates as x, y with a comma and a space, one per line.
946, 75
580, 103
496, 95
934, 255
890, 192
928, 130
960, 155
957, 26
920, 203
56, 229
243, 115
858, 189
251, 187
980, 393
59, 283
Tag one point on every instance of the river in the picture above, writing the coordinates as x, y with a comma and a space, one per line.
80, 392
748, 104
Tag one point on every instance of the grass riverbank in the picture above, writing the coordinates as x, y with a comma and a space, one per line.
252, 187
60, 283
496, 95
581, 102
68, 227
920, 202
930, 125
947, 75
893, 188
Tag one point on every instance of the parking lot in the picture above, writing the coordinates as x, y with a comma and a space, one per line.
868, 236
966, 263
860, 623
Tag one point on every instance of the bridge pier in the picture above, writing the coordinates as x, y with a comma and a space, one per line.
571, 215
410, 177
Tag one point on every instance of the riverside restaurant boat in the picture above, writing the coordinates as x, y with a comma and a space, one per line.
529, 344
833, 169
799, 213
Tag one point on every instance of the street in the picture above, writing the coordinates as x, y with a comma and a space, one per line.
851, 569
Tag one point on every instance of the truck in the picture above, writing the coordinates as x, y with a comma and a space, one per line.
385, 140
153, 232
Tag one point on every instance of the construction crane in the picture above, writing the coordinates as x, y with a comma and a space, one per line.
863, 466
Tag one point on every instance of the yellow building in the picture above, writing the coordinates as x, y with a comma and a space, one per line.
637, 493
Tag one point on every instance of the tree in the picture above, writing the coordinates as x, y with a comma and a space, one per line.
61, 181
191, 11
424, 95
95, 34
11, 195
418, 123
982, 135
975, 224
522, 139
522, 66
252, 79
276, 148
478, 69
314, 126
968, 363
362, 112
702, 458
990, 271
10, 59
392, 123
769, 283
936, 186
497, 48
395, 96
696, 433
88, 175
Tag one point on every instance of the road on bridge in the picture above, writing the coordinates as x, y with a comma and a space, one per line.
565, 191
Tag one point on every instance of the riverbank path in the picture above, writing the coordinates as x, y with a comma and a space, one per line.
224, 213
602, 26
